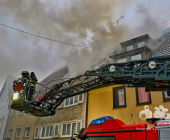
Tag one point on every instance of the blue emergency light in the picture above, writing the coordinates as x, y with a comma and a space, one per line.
100, 120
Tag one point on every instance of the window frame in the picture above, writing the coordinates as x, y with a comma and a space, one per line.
136, 55
72, 122
45, 131
16, 132
38, 132
164, 99
66, 129
25, 131
10, 133
137, 98
117, 88
54, 130
79, 102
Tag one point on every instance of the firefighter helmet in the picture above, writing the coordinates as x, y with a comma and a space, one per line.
24, 72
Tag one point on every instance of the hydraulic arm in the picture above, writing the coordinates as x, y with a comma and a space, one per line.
153, 73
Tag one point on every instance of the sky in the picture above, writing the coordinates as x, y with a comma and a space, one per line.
91, 24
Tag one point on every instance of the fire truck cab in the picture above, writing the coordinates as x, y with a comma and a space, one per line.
108, 128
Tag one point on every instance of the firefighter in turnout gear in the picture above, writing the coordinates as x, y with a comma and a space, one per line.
29, 82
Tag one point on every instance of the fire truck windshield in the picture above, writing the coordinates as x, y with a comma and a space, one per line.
101, 138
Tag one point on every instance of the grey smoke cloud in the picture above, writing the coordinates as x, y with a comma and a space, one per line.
88, 23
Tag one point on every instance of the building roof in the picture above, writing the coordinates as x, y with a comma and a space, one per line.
134, 39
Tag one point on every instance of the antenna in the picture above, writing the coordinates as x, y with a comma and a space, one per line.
117, 21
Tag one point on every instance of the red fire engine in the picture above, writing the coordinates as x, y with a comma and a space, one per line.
108, 128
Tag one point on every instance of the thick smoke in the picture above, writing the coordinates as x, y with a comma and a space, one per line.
88, 23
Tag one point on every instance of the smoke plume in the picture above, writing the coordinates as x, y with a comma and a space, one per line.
87, 23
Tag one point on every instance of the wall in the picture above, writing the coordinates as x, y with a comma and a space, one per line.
100, 104
5, 95
65, 115
20, 121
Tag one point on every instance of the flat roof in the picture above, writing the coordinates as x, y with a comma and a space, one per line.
142, 36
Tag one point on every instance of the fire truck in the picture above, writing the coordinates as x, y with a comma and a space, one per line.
152, 73
108, 128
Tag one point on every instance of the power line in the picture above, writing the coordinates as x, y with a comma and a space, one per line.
163, 21
162, 18
40, 36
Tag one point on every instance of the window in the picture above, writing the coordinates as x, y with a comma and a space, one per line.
166, 96
129, 48
10, 133
136, 57
56, 130
119, 97
79, 126
142, 97
101, 138
21, 113
14, 113
71, 128
121, 60
66, 129
36, 134
81, 98
141, 44
74, 100
47, 131
27, 131
18, 130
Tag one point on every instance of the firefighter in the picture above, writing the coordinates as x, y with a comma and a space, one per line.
32, 84
25, 77
29, 82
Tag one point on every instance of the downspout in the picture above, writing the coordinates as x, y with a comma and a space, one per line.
86, 110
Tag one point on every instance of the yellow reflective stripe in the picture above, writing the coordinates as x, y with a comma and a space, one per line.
31, 82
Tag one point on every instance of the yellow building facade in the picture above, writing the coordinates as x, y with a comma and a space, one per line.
101, 102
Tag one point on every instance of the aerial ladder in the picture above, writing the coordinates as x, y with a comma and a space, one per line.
152, 73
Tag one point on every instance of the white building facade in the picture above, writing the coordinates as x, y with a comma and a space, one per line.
5, 99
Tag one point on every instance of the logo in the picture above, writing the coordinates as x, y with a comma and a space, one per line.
160, 112
146, 113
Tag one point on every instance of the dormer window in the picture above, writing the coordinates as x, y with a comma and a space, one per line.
129, 48
141, 44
